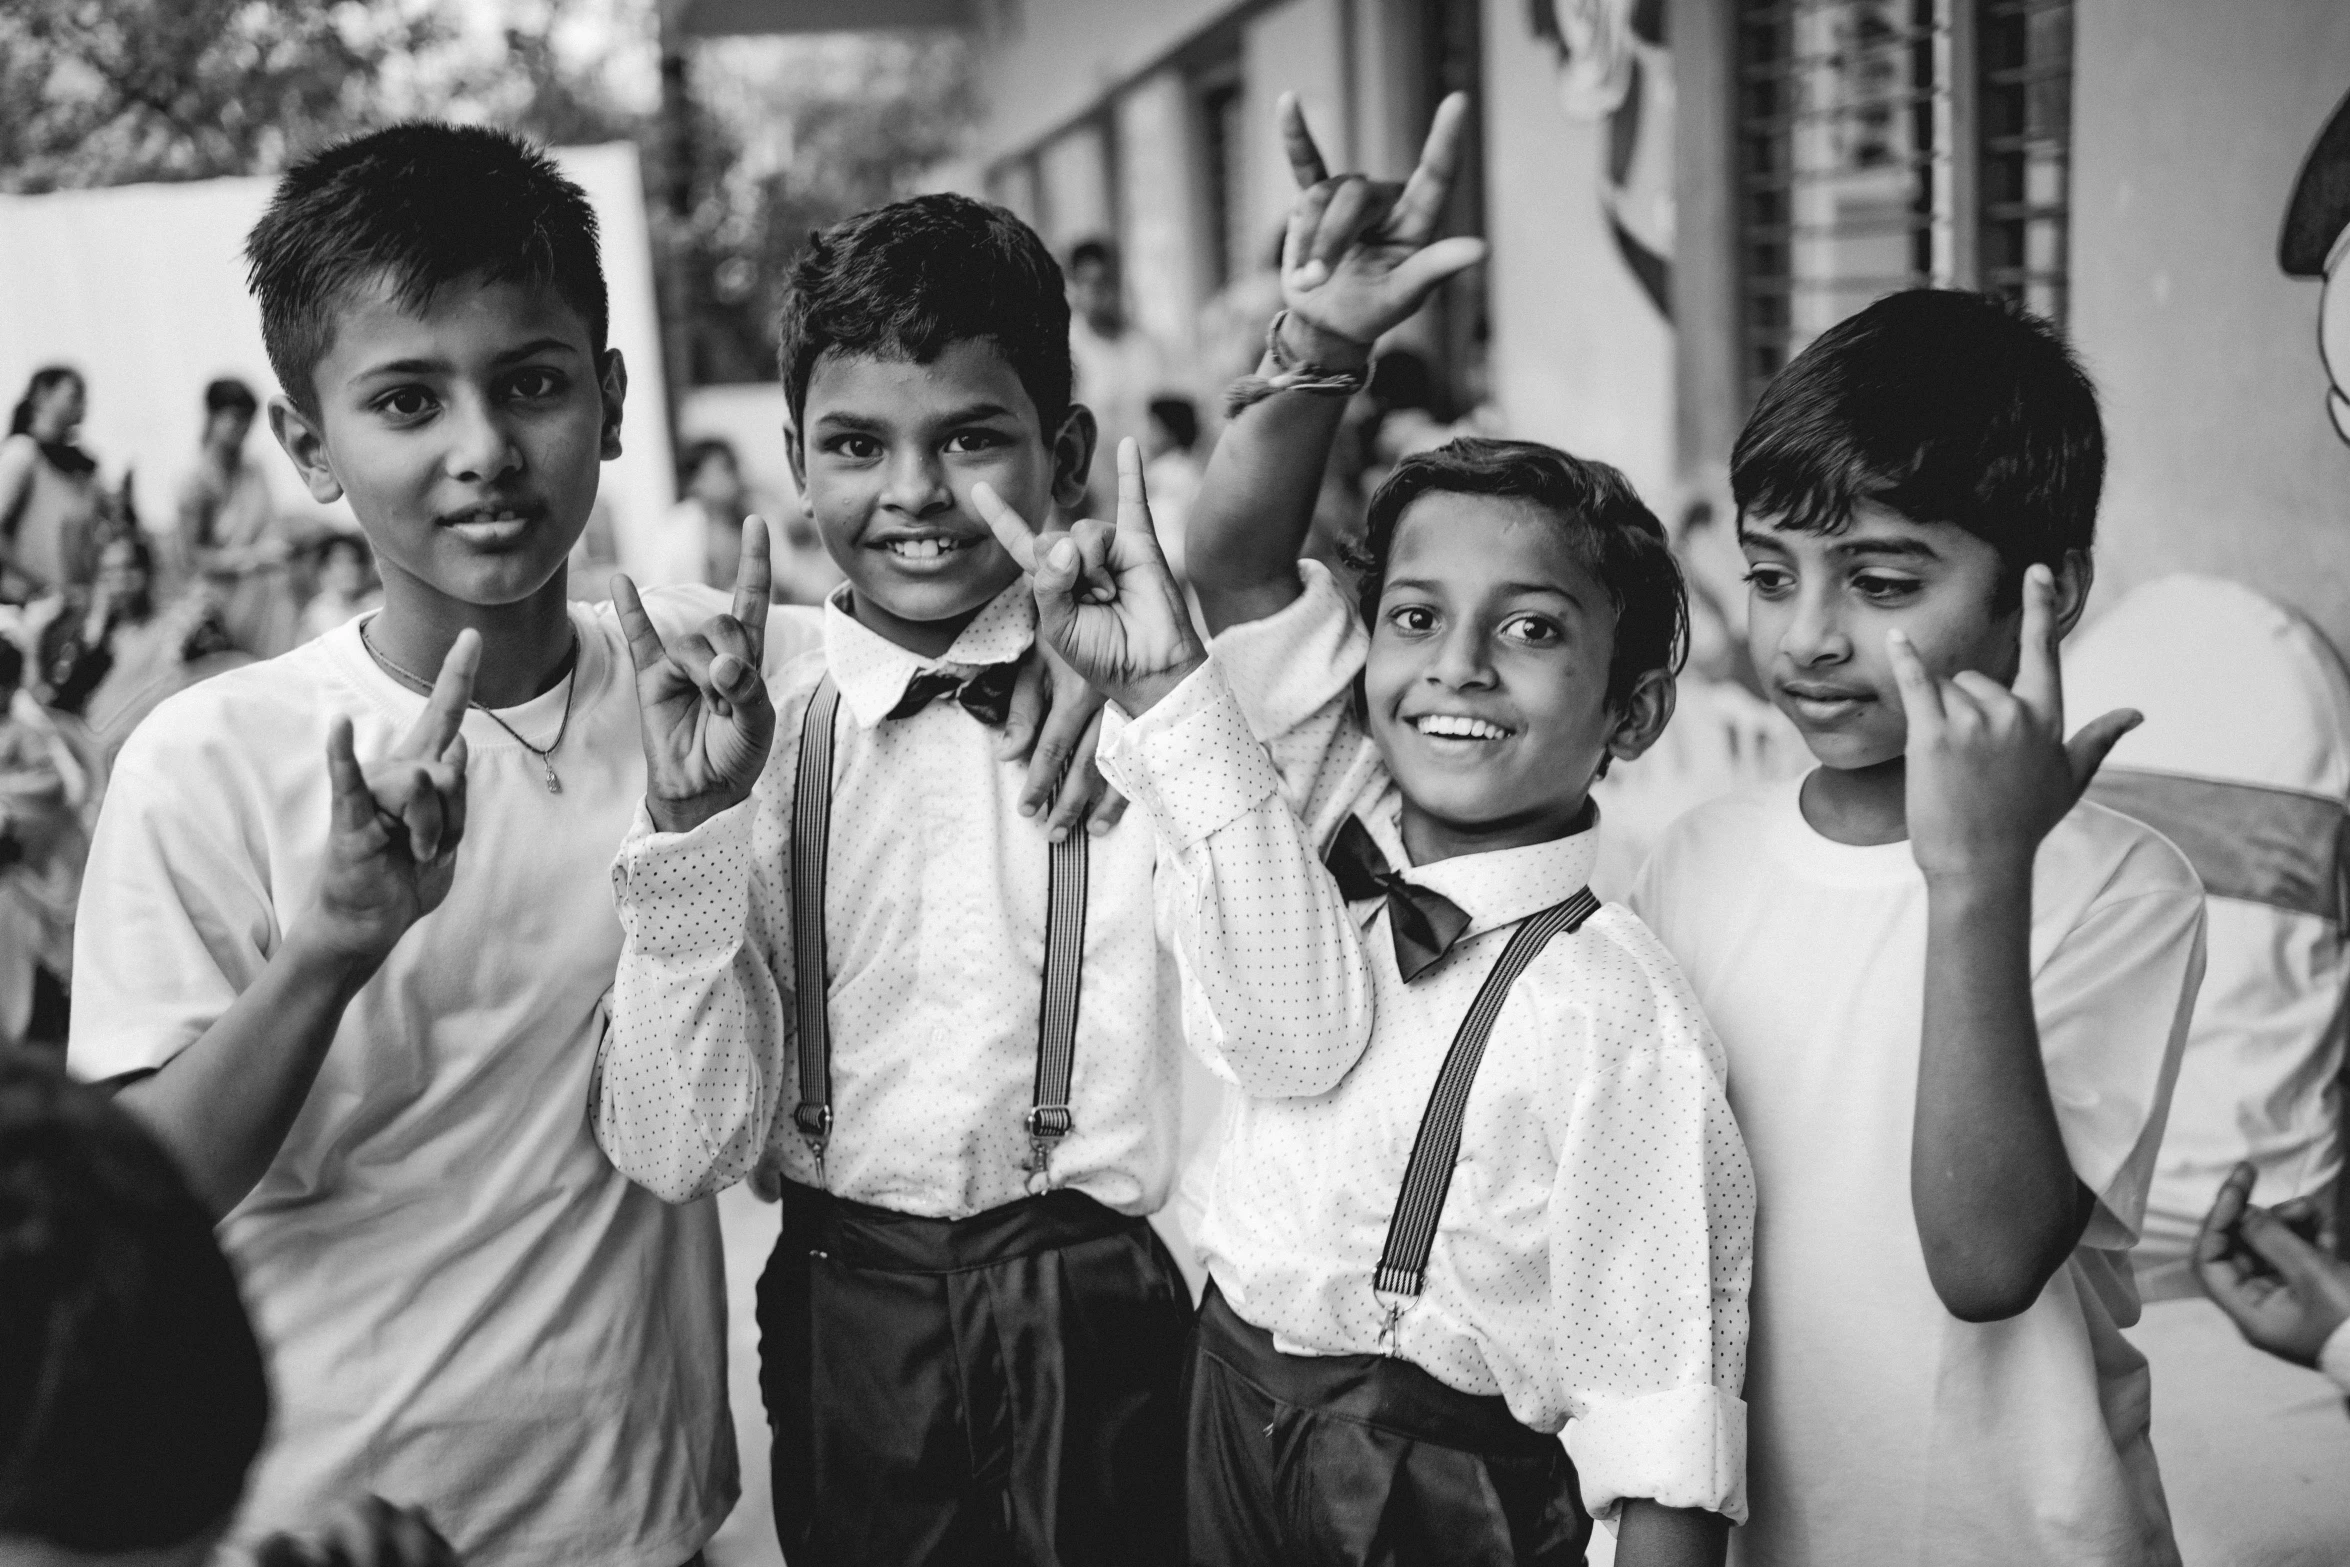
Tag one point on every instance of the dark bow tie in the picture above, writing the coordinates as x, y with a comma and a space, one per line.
986, 696
1425, 923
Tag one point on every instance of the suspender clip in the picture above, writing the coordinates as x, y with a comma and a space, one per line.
1389, 1329
815, 1125
1046, 1125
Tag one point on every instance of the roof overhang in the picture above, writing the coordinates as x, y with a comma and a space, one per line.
725, 18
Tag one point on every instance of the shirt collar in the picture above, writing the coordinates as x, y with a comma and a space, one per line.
872, 671
1506, 885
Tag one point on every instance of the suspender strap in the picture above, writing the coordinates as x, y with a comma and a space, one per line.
1049, 1118
811, 838
1411, 1231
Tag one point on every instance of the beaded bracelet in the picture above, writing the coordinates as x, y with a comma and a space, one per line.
1289, 377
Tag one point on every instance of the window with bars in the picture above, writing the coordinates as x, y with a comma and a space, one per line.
1889, 144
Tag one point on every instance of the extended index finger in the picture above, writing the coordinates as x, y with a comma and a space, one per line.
1421, 205
752, 577
1297, 140
1134, 501
452, 694
2038, 683
1011, 530
2216, 1236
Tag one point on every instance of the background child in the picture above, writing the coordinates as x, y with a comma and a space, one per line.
1518, 624
1953, 995
966, 1068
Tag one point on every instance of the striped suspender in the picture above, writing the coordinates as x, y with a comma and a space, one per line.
1411, 1230
1048, 1119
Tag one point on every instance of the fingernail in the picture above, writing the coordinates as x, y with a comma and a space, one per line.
1027, 807
1059, 833
1098, 827
1062, 556
1312, 275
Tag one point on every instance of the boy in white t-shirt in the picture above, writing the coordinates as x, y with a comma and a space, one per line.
1953, 993
360, 1003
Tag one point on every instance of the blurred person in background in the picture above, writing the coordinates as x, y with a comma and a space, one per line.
1172, 472
51, 507
1120, 367
79, 651
703, 540
48, 792
347, 587
132, 1395
229, 530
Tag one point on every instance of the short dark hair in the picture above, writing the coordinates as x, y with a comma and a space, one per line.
20, 418
1611, 529
1181, 417
229, 393
1945, 406
423, 205
910, 280
132, 1397
701, 451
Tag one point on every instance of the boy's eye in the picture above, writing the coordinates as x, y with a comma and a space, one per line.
974, 441
1769, 580
1534, 630
538, 382
1412, 619
405, 402
1879, 589
856, 448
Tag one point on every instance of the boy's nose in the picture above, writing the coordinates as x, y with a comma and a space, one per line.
483, 449
1815, 632
1460, 660
917, 485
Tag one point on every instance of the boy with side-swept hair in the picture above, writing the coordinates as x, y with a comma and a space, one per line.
360, 1002
1953, 993
850, 958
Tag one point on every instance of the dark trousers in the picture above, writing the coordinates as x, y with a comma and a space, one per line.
999, 1389
1362, 1460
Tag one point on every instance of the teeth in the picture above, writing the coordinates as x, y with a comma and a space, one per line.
922, 549
1459, 726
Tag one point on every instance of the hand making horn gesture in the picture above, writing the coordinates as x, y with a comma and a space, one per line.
1360, 254
1990, 770
702, 703
1105, 600
391, 850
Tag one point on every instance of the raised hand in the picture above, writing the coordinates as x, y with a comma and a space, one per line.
1990, 770
1360, 255
1105, 600
702, 705
394, 827
2284, 1294
368, 1533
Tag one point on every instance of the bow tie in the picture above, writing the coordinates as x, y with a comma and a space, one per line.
1425, 923
986, 696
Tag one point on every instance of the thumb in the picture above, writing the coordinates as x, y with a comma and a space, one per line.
2296, 1261
2087, 749
1055, 580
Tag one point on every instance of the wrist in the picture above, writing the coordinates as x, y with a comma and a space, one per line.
325, 950
687, 814
1308, 343
1979, 875
1138, 696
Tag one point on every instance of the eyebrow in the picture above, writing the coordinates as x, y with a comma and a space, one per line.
974, 413
1902, 549
1425, 585
529, 350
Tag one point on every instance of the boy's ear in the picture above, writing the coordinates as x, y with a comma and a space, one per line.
1073, 447
1647, 709
304, 440
795, 452
2074, 575
612, 376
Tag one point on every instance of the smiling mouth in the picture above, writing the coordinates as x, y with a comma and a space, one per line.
928, 547
1458, 726
1826, 702
489, 519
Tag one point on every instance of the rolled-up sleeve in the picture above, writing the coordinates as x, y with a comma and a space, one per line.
1652, 1236
694, 1058
1277, 993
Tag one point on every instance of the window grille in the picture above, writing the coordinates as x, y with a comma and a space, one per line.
1889, 144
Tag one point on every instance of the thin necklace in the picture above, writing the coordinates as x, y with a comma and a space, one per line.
571, 686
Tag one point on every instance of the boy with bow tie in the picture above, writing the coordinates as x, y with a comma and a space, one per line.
849, 956
1525, 1206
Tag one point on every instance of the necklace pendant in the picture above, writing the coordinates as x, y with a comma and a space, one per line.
554, 784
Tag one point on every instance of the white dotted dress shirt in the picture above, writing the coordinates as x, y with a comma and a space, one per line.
1593, 1257
935, 905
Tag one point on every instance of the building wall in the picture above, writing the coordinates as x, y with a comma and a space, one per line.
1048, 59
1579, 357
2189, 128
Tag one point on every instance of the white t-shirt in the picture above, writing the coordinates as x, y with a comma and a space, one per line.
464, 1305
1882, 1429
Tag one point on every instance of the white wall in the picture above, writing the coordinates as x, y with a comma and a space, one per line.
2190, 123
1581, 359
142, 288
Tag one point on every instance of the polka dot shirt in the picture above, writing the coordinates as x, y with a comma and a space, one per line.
935, 914
1593, 1258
